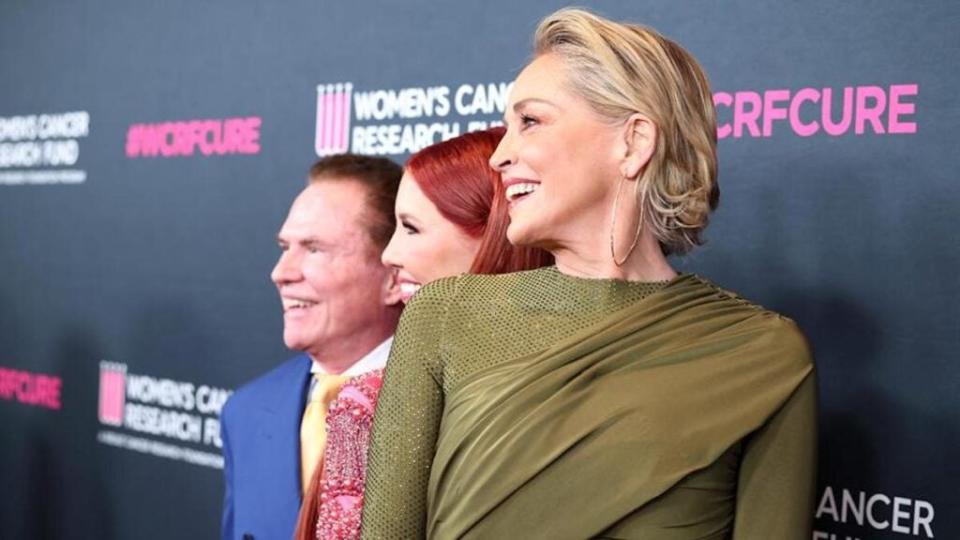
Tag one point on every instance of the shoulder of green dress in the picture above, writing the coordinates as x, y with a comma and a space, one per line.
474, 289
432, 299
785, 336
421, 327
489, 283
439, 289
732, 298
438, 297
776, 328
793, 339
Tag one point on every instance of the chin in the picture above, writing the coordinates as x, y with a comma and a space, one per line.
519, 234
293, 341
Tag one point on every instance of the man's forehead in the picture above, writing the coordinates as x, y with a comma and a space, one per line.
326, 207
335, 188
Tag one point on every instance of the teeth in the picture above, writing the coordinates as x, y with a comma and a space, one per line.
409, 288
516, 190
300, 305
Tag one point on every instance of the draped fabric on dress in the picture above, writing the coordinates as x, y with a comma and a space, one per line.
574, 441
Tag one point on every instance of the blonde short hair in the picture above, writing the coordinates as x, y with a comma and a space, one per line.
622, 69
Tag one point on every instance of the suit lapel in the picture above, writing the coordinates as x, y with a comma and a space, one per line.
280, 428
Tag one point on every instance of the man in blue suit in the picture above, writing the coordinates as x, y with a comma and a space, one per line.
340, 307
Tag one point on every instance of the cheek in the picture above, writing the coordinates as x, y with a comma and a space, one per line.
351, 295
538, 155
411, 254
441, 256
316, 277
430, 258
462, 251
562, 168
582, 174
327, 275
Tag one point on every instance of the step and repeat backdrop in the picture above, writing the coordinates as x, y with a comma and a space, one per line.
149, 152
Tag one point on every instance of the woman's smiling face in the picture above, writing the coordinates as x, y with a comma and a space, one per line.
425, 246
558, 159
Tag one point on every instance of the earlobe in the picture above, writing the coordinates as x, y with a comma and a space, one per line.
640, 136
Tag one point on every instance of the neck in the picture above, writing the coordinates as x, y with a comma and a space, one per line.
337, 357
593, 260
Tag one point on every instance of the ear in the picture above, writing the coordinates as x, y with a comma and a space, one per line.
391, 288
640, 142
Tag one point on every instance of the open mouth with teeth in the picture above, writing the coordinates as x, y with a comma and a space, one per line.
407, 290
294, 305
518, 191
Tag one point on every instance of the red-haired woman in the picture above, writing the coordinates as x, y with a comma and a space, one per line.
452, 218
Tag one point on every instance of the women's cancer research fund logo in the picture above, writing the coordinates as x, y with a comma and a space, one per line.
398, 121
164, 417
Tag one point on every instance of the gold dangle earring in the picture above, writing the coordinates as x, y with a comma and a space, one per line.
613, 225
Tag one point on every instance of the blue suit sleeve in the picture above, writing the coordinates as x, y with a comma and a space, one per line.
226, 531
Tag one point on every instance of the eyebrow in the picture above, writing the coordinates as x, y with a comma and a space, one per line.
303, 241
403, 216
314, 240
524, 102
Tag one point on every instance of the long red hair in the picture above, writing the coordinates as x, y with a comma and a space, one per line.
456, 176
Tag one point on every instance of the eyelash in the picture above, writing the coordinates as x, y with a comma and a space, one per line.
526, 121
409, 228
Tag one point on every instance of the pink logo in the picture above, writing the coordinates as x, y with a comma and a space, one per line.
113, 378
333, 118
37, 389
184, 138
809, 111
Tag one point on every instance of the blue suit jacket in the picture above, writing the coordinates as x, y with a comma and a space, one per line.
260, 428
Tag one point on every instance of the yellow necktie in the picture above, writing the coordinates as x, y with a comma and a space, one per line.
313, 427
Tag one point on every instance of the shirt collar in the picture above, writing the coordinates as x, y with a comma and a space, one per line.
375, 359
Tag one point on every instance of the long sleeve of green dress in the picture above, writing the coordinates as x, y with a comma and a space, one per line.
776, 487
406, 422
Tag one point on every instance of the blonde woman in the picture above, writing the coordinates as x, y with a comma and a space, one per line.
608, 396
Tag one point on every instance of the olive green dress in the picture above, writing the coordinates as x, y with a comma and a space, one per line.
539, 405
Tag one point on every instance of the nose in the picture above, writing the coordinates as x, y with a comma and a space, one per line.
391, 254
287, 269
503, 156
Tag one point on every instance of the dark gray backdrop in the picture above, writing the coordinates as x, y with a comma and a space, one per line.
162, 264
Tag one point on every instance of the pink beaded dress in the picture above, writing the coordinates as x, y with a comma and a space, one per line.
345, 459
